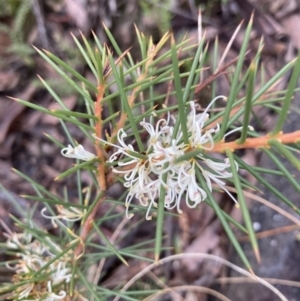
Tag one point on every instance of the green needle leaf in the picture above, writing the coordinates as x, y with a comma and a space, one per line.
285, 152
233, 89
267, 185
223, 220
244, 207
160, 218
109, 244
289, 95
181, 104
248, 105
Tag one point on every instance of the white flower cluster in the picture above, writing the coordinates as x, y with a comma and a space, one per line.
144, 176
33, 257
70, 214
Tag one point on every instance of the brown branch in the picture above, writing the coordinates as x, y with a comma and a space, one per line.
101, 173
214, 76
98, 132
259, 142
87, 225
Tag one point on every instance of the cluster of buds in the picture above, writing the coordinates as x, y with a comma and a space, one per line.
145, 175
40, 276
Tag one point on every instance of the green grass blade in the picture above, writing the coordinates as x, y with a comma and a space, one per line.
92, 206
259, 93
89, 56
89, 287
38, 187
54, 140
12, 200
215, 65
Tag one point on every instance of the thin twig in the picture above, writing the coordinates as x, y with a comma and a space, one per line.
211, 78
228, 47
202, 256
272, 232
268, 204
41, 24
188, 288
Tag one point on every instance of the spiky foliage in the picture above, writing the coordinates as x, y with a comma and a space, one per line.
161, 153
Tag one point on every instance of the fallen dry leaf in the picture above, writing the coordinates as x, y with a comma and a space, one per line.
12, 110
206, 242
78, 13
9, 80
291, 26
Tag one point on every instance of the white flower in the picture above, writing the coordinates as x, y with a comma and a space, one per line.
18, 240
251, 128
124, 149
52, 296
144, 174
33, 257
136, 172
60, 273
162, 156
195, 124
70, 214
77, 152
184, 181
29, 263
172, 193
25, 290
36, 247
217, 171
144, 189
162, 132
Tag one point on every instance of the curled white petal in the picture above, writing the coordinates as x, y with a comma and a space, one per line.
60, 273
77, 152
250, 128
52, 296
70, 214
